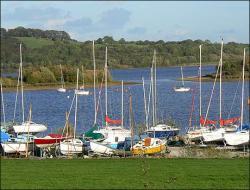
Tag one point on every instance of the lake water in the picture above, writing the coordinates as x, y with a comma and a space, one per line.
49, 106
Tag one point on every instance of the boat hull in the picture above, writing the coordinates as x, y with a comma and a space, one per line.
16, 147
149, 150
196, 134
214, 135
29, 128
82, 92
47, 142
149, 146
114, 135
100, 148
61, 90
237, 138
182, 89
71, 146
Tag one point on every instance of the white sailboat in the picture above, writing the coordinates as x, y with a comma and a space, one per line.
113, 134
195, 133
21, 144
241, 136
72, 146
158, 130
216, 134
26, 126
181, 88
62, 89
82, 90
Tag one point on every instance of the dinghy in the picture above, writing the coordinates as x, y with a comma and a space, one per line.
101, 148
149, 146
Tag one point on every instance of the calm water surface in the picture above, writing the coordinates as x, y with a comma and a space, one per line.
49, 106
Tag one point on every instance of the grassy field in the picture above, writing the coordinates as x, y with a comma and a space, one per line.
32, 42
125, 174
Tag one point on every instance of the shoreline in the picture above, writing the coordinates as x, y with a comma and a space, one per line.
36, 87
209, 79
167, 66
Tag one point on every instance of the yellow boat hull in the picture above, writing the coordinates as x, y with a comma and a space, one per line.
149, 150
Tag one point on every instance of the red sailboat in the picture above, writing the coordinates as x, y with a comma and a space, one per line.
48, 141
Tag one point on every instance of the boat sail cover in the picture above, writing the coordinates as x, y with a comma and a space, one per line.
112, 121
207, 121
90, 133
229, 121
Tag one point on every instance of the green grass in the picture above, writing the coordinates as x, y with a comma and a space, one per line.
32, 42
125, 173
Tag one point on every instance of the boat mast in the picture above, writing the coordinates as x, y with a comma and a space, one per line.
82, 77
61, 76
200, 82
182, 77
21, 73
2, 103
77, 75
106, 90
17, 88
145, 103
131, 120
122, 103
93, 48
242, 90
153, 105
28, 137
155, 96
220, 79
149, 101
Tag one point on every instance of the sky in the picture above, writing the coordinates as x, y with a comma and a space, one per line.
133, 20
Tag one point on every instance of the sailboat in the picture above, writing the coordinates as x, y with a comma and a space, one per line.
26, 126
82, 90
241, 136
225, 125
146, 146
113, 131
62, 89
195, 133
158, 130
215, 134
72, 146
149, 146
20, 144
181, 88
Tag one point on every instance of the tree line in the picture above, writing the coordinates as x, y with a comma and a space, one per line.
121, 53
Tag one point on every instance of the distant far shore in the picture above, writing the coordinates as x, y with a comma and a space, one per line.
42, 86
209, 79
